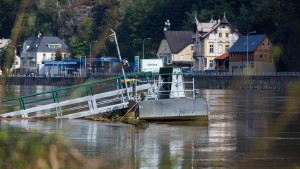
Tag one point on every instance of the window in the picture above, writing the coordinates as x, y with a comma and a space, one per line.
205, 62
32, 64
181, 57
211, 63
211, 48
54, 46
24, 63
220, 48
192, 47
227, 35
220, 35
52, 56
169, 61
44, 56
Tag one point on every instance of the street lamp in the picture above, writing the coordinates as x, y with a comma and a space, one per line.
247, 68
91, 53
120, 58
144, 45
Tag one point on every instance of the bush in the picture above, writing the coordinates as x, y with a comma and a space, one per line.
31, 150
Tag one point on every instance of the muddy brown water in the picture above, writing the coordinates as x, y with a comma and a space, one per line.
247, 129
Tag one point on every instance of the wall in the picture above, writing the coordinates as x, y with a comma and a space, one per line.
246, 82
201, 82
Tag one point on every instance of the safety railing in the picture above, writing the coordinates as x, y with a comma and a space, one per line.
67, 93
188, 83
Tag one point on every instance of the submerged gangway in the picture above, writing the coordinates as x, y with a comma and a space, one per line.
99, 96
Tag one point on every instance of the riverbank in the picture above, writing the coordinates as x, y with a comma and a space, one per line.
201, 82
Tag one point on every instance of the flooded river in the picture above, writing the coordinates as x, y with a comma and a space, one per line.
247, 129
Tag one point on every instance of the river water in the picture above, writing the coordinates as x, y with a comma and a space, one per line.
247, 129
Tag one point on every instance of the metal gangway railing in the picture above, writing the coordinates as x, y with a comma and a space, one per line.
99, 96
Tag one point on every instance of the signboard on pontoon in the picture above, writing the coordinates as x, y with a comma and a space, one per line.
151, 65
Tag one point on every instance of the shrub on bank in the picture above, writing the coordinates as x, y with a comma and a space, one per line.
31, 150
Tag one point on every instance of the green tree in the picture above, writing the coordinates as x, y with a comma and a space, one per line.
79, 43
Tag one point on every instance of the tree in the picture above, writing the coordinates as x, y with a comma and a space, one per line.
79, 43
58, 55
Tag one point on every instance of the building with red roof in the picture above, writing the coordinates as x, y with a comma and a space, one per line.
212, 40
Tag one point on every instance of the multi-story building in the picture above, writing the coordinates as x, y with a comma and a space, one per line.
212, 40
251, 54
35, 50
176, 49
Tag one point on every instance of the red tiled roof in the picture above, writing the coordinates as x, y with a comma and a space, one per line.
223, 56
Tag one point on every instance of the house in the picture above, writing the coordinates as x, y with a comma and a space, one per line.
35, 50
3, 44
16, 65
176, 49
252, 52
212, 41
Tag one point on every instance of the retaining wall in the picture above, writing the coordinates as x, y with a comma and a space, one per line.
201, 82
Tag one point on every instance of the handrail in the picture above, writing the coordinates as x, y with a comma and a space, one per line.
56, 94
244, 74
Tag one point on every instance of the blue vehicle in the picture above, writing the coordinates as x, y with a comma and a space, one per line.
186, 70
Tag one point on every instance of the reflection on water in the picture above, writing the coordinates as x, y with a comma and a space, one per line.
247, 129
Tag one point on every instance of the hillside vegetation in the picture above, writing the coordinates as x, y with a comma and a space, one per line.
79, 22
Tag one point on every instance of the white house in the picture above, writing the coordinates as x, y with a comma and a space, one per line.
213, 40
35, 50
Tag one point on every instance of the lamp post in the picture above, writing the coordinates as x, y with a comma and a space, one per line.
120, 58
144, 46
247, 68
91, 53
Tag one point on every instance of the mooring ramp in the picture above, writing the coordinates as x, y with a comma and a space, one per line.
77, 101
97, 111
92, 103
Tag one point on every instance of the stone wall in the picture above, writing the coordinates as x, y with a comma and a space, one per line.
201, 82
246, 82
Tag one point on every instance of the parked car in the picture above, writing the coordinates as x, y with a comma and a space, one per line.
186, 70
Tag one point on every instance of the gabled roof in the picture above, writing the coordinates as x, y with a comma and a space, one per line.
204, 27
41, 44
178, 40
4, 42
224, 21
222, 57
241, 44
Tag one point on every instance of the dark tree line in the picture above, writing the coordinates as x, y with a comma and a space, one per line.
134, 20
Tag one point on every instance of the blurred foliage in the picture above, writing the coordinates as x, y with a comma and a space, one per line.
80, 22
31, 150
